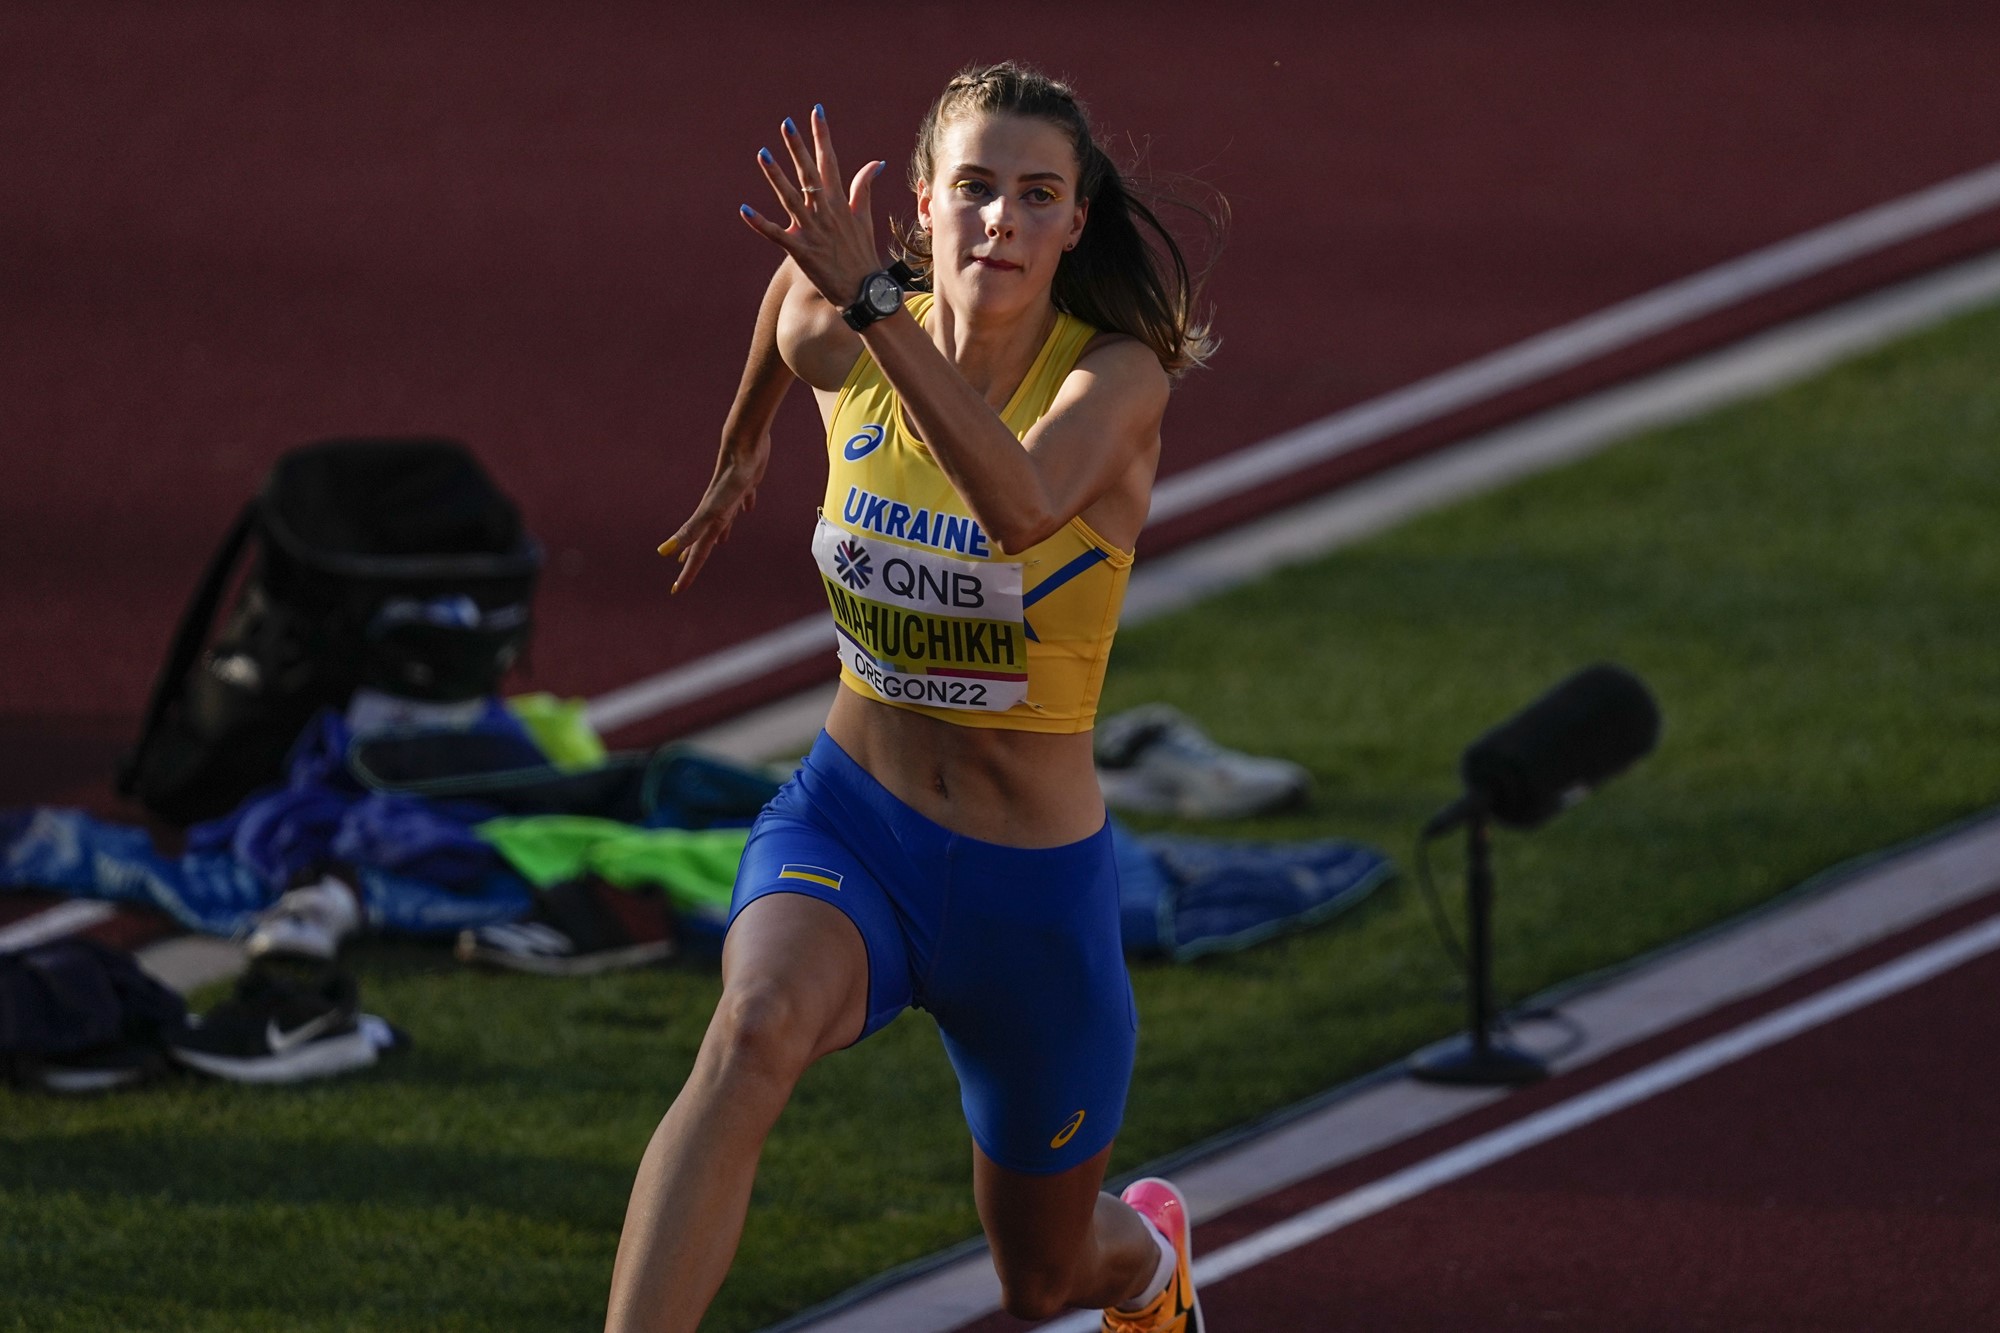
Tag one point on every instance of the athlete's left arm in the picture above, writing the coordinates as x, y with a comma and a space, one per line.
1098, 446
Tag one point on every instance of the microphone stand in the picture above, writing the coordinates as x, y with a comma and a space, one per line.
1479, 1057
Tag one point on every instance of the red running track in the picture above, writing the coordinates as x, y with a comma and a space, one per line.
227, 228
1847, 1178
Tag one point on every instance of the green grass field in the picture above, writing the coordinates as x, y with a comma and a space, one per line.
1809, 583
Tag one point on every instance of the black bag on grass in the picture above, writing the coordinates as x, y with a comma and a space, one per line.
389, 563
672, 787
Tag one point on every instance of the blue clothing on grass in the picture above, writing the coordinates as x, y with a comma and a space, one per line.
1015, 951
323, 815
1184, 897
216, 894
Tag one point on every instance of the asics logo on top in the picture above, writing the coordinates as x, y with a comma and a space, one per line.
862, 443
850, 561
1068, 1131
281, 1041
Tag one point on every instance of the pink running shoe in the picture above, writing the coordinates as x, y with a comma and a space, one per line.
1177, 1309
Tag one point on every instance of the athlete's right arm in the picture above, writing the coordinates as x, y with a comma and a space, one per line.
798, 333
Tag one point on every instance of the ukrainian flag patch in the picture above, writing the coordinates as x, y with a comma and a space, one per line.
815, 874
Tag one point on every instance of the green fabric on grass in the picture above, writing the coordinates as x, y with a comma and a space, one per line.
561, 729
697, 867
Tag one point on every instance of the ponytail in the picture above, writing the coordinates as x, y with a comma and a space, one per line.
1127, 273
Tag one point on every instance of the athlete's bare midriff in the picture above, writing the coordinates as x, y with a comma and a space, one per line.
1015, 788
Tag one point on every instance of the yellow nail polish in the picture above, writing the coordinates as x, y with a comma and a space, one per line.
669, 546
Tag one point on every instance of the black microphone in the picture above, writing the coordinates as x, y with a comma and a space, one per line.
1590, 727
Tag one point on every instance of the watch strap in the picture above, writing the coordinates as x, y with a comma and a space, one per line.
861, 314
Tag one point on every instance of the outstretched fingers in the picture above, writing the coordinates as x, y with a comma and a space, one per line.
833, 246
794, 196
827, 164
765, 227
781, 184
706, 530
861, 190
692, 545
811, 178
696, 556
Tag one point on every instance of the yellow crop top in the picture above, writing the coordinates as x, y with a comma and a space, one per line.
930, 614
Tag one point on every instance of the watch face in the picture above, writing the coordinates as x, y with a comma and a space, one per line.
883, 294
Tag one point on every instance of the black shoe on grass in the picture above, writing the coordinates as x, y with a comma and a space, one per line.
119, 1064
275, 1030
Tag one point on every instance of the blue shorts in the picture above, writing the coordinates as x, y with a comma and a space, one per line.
1015, 951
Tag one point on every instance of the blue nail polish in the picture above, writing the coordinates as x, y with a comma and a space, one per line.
789, 127
819, 112
748, 211
764, 155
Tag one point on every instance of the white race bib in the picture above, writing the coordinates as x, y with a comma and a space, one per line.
925, 628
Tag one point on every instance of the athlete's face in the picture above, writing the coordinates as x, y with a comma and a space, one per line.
1001, 207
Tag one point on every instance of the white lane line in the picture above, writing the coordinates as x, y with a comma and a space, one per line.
65, 918
1759, 364
706, 675
1618, 326
1593, 336
1801, 1016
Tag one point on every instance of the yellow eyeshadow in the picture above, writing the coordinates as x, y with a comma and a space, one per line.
1047, 195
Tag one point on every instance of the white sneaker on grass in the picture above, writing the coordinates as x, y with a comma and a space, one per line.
1154, 760
579, 928
309, 922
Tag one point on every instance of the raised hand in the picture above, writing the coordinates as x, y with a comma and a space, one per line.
831, 234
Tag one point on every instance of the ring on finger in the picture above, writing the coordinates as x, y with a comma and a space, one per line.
811, 189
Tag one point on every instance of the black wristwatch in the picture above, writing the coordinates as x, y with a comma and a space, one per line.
881, 296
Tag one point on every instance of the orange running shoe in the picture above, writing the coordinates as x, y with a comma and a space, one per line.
1177, 1309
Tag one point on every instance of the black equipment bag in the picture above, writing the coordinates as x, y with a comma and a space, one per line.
389, 563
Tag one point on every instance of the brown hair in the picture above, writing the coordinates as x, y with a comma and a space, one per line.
1115, 278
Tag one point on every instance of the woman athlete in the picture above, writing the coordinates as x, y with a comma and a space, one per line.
991, 446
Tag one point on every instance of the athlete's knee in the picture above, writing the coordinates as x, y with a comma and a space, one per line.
764, 1030
1037, 1292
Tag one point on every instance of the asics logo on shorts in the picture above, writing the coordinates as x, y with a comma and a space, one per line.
1068, 1131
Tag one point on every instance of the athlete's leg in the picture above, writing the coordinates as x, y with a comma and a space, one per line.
1033, 1002
1058, 1241
794, 987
